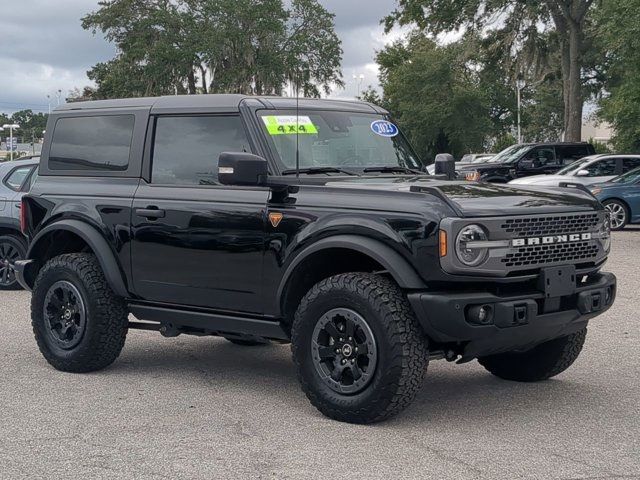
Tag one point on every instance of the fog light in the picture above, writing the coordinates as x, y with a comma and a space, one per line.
480, 314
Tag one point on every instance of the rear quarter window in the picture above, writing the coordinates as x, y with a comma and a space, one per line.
98, 143
16, 178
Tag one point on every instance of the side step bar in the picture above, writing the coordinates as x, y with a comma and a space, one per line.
174, 319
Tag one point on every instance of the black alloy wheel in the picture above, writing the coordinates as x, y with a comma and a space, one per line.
344, 351
11, 250
65, 314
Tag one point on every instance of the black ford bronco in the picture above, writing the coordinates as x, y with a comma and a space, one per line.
260, 219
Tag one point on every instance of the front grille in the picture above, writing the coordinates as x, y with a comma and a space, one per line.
551, 225
524, 244
535, 255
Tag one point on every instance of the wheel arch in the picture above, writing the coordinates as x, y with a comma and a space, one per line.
68, 236
355, 253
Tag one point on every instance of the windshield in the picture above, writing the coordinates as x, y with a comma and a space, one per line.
510, 154
574, 166
630, 177
338, 140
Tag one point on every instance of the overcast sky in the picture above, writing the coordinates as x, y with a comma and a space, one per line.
46, 49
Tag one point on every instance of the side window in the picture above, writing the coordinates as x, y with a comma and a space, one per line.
542, 156
629, 164
568, 154
100, 143
602, 168
17, 177
186, 149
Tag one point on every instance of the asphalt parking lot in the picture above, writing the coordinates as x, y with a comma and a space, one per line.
191, 407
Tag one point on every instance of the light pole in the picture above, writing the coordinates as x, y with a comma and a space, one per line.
519, 87
10, 126
58, 95
49, 102
358, 79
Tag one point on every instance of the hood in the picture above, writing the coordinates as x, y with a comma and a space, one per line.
479, 199
542, 180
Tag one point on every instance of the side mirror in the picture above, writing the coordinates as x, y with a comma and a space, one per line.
239, 168
445, 165
582, 173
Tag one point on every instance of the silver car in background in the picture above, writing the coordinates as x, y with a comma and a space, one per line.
16, 178
587, 170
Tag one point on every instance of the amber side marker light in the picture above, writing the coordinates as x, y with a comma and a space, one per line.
443, 243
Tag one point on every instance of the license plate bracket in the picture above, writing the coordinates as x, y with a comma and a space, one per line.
558, 281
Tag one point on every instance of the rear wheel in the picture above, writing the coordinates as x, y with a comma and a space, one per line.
359, 352
618, 214
540, 363
80, 325
12, 249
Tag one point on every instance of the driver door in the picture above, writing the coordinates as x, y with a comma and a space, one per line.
538, 161
197, 242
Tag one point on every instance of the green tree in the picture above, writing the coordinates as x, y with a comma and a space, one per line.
31, 124
520, 27
206, 46
433, 93
618, 22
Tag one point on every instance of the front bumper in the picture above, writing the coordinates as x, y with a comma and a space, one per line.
517, 321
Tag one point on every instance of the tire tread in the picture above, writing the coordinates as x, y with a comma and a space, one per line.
110, 316
407, 365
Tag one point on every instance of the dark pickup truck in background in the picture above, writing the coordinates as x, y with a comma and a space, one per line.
526, 159
257, 219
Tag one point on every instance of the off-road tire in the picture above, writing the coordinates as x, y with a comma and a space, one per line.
248, 343
106, 324
402, 350
540, 363
18, 245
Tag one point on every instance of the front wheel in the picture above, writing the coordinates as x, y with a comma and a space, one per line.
359, 352
540, 363
618, 214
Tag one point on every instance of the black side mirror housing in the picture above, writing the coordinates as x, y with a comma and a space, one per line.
240, 168
445, 165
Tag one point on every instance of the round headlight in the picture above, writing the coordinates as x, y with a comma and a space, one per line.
468, 253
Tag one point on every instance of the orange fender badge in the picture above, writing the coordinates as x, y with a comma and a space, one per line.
275, 218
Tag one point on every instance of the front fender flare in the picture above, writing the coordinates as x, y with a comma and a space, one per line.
96, 242
397, 266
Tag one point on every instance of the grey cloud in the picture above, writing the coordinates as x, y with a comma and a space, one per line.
46, 49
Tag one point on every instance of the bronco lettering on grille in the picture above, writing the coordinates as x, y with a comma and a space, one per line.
574, 237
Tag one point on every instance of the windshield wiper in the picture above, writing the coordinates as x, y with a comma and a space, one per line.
393, 169
312, 170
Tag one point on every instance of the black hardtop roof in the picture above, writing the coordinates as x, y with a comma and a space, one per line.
219, 102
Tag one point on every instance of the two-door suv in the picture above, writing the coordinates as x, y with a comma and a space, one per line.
263, 219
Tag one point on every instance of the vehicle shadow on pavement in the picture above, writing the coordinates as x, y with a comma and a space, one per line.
450, 393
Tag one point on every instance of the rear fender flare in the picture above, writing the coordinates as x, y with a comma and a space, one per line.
96, 242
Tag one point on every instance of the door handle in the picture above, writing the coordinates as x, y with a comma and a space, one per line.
150, 212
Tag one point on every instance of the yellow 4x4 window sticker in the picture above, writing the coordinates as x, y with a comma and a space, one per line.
289, 125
